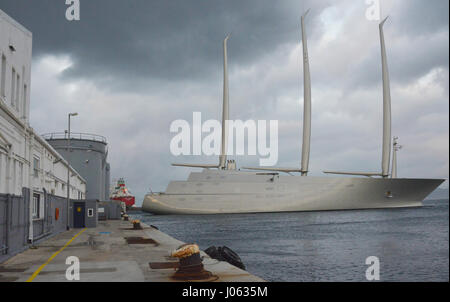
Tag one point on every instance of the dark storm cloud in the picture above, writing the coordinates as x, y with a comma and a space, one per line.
421, 17
121, 43
407, 58
164, 39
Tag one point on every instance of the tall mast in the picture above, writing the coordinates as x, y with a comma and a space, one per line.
306, 102
225, 117
225, 110
386, 107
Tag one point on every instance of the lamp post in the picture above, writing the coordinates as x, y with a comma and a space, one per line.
68, 169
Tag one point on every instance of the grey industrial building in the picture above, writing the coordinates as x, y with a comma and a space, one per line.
88, 155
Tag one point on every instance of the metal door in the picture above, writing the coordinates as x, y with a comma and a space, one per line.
78, 214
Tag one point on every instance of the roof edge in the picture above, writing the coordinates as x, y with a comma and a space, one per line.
15, 23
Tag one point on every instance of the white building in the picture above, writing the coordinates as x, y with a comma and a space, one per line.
26, 160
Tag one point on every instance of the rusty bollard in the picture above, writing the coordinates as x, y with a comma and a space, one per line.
191, 266
136, 224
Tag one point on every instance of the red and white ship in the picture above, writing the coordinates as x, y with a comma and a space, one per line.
121, 193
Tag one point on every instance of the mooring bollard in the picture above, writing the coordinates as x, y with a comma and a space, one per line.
191, 266
125, 217
136, 224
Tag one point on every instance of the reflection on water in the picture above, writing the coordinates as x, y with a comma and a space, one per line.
412, 244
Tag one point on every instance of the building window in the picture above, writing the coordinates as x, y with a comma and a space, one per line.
14, 174
3, 77
24, 105
13, 86
36, 205
20, 177
17, 101
36, 164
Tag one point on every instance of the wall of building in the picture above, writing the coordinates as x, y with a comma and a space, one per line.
15, 66
91, 217
109, 210
50, 173
33, 175
48, 224
26, 160
15, 69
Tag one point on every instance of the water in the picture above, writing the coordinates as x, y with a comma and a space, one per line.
412, 244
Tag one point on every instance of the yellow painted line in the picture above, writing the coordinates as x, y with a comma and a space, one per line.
53, 256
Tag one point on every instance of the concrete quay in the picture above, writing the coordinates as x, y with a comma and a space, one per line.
107, 253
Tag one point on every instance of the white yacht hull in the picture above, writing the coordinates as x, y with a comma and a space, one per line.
219, 192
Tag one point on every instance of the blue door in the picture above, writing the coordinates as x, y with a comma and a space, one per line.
78, 214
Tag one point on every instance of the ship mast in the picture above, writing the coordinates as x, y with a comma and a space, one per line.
386, 147
225, 117
225, 109
306, 113
386, 107
306, 102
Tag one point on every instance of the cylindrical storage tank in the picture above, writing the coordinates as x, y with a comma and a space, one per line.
87, 156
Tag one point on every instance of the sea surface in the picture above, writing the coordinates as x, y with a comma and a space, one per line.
412, 244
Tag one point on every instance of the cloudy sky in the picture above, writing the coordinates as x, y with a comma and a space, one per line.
130, 68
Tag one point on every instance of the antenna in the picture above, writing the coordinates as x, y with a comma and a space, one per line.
395, 147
